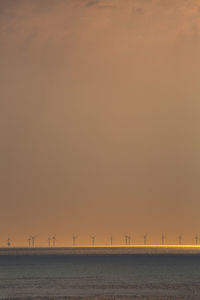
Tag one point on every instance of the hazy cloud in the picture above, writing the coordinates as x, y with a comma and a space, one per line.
92, 3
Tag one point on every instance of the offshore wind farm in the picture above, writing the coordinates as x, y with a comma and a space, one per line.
128, 246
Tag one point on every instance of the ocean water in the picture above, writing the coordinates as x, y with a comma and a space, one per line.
139, 275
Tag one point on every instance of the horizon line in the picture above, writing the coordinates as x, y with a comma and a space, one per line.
105, 246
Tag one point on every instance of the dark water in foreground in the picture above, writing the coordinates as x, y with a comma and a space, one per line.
155, 276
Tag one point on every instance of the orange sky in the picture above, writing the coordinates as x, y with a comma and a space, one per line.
99, 115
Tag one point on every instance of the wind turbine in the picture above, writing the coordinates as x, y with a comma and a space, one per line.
145, 239
180, 240
111, 240
93, 240
29, 241
9, 242
49, 241
129, 239
54, 240
126, 239
163, 239
74, 240
196, 239
33, 241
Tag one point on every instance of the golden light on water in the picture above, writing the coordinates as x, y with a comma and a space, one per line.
136, 246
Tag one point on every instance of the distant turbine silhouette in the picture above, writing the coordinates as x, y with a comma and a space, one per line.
29, 241
74, 240
180, 239
163, 239
49, 240
9, 242
145, 239
54, 240
129, 239
196, 239
126, 239
93, 240
111, 240
33, 241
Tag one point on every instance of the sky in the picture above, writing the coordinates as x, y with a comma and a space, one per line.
99, 120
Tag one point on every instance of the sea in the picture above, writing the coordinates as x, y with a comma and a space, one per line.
99, 275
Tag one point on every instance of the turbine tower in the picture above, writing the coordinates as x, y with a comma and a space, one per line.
111, 240
196, 239
29, 241
74, 240
49, 241
145, 239
54, 240
126, 239
93, 240
163, 239
9, 242
33, 241
180, 240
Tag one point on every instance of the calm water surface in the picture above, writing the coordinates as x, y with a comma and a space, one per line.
177, 276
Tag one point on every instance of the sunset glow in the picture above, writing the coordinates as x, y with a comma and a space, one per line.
99, 110
99, 149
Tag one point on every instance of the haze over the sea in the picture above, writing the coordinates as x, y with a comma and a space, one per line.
99, 120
